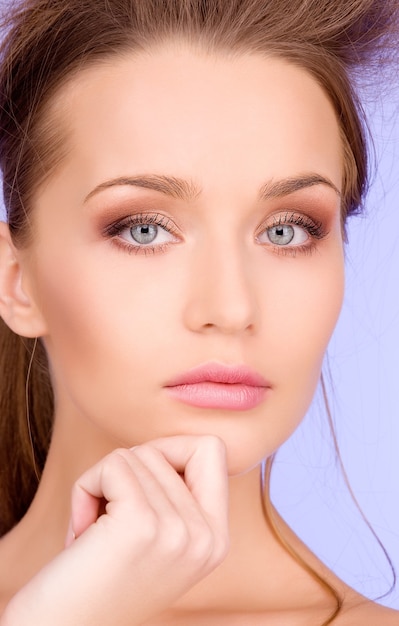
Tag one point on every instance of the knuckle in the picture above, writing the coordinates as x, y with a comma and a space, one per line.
214, 444
115, 463
221, 549
210, 548
149, 527
140, 540
118, 452
146, 451
116, 458
203, 549
176, 537
202, 546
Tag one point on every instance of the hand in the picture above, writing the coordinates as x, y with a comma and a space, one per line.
164, 527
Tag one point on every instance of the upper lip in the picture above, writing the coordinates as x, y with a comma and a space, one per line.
218, 373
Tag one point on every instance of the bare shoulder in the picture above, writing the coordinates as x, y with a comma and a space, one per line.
367, 613
364, 613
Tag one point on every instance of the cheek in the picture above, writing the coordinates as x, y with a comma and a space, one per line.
107, 327
303, 317
306, 301
308, 315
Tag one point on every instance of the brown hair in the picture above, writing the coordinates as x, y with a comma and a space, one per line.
45, 42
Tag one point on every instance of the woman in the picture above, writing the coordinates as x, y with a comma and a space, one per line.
177, 177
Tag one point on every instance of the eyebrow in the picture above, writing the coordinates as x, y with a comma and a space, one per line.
168, 185
187, 190
286, 186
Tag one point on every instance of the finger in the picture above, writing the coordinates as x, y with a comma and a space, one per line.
206, 535
171, 482
151, 476
124, 486
202, 460
111, 480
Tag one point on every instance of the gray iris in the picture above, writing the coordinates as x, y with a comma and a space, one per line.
281, 234
144, 233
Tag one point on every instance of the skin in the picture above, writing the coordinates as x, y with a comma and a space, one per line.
119, 324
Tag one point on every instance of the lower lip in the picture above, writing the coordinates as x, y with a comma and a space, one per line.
208, 395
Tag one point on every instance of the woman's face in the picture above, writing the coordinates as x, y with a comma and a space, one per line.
218, 242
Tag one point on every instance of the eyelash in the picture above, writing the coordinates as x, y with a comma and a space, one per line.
140, 219
315, 229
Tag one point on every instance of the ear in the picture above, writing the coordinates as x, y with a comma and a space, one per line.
17, 307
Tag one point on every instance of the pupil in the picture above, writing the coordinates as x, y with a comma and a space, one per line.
281, 234
144, 233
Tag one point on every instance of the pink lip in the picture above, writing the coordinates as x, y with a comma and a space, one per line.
219, 387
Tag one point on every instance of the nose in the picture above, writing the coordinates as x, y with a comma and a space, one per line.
221, 294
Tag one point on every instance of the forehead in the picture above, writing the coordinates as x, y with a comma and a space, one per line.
183, 112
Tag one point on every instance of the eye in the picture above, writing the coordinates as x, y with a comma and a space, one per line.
145, 234
291, 233
284, 234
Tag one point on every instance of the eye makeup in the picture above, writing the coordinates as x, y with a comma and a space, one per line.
143, 226
162, 227
301, 224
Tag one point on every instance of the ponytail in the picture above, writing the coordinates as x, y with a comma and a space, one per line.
26, 415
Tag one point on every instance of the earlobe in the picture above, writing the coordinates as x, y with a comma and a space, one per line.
17, 308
